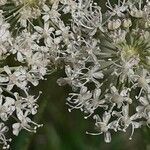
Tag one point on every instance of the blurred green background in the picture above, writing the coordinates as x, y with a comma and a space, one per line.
66, 131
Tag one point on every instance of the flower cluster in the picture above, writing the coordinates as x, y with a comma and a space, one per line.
106, 56
108, 65
33, 47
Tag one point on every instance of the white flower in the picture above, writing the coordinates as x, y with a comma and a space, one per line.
103, 125
3, 140
4, 32
17, 78
118, 98
25, 123
46, 32
52, 13
117, 9
6, 107
77, 101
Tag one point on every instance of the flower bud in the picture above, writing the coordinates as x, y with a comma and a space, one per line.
147, 24
127, 23
114, 24
136, 13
